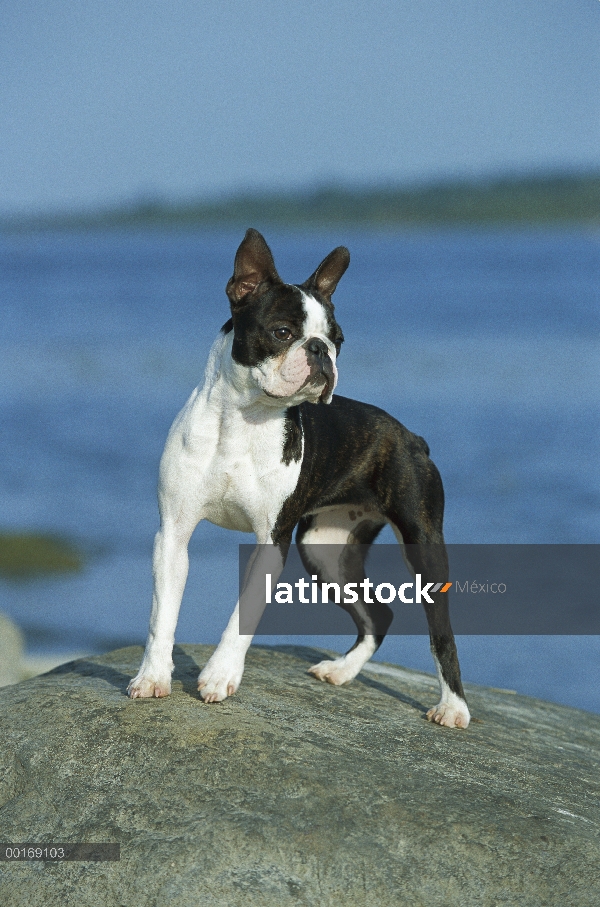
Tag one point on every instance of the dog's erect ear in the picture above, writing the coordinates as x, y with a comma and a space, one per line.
253, 266
326, 277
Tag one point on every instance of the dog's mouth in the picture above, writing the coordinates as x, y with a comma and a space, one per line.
325, 381
327, 387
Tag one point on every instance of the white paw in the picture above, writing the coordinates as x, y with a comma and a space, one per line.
336, 672
145, 687
220, 678
455, 714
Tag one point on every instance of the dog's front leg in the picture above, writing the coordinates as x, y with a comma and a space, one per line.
223, 672
170, 568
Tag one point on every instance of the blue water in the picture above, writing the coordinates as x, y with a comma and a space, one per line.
484, 342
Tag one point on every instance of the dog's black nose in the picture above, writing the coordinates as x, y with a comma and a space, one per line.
317, 347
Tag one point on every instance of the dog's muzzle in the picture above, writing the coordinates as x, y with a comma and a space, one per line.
321, 366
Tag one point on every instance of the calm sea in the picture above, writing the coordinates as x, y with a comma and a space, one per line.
484, 342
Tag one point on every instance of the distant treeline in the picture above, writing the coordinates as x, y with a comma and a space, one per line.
548, 199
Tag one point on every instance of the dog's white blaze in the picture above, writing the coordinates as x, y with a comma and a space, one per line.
315, 324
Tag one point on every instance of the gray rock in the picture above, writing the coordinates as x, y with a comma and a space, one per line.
11, 652
295, 792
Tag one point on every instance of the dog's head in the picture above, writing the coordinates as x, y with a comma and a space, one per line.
286, 336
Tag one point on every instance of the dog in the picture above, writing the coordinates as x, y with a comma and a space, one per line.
264, 446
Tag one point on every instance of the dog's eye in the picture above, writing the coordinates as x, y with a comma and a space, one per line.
282, 333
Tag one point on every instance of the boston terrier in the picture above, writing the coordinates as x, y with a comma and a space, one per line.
264, 446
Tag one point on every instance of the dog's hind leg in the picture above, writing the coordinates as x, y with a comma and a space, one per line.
430, 561
333, 544
417, 522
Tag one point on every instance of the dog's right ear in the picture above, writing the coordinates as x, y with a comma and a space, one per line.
254, 266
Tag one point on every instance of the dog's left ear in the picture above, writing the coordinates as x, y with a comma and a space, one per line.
328, 274
254, 266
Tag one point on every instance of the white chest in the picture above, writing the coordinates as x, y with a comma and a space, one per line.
224, 464
247, 480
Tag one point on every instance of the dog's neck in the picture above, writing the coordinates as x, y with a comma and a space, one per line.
229, 387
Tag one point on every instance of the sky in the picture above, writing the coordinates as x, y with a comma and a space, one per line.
117, 100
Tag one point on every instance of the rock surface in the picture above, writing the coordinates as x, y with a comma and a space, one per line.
295, 792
